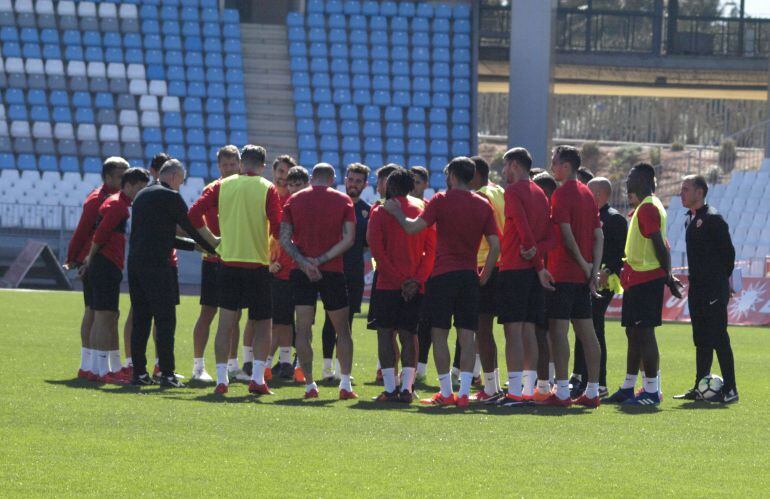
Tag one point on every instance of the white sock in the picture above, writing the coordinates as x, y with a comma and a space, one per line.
103, 362
232, 364
514, 383
543, 386
466, 379
445, 382
345, 383
268, 362
198, 364
552, 372
311, 386
651, 385
422, 369
248, 354
337, 370
84, 359
530, 378
129, 362
660, 383
222, 378
407, 378
629, 382
328, 364
592, 390
389, 378
284, 355
258, 372
562, 388
115, 364
93, 361
489, 383
477, 366
498, 388
455, 372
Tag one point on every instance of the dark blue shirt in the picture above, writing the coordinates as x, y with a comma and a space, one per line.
353, 258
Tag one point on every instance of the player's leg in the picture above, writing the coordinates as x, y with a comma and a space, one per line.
559, 306
727, 367
514, 358
584, 331
424, 341
328, 341
105, 281
127, 329
485, 344
543, 362
408, 359
441, 357
141, 324
200, 338
387, 358
164, 300
334, 296
303, 345
231, 284
466, 314
599, 309
704, 347
531, 357
579, 373
260, 303
85, 342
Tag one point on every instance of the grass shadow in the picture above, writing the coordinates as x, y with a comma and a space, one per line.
633, 410
301, 402
74, 383
701, 404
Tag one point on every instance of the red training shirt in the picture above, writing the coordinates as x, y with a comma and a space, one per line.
80, 244
317, 215
400, 256
649, 223
574, 204
210, 216
462, 218
527, 224
209, 200
284, 260
110, 231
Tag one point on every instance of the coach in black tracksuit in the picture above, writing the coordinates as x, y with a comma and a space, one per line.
156, 212
711, 258
614, 228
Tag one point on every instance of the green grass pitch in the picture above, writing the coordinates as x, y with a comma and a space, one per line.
62, 436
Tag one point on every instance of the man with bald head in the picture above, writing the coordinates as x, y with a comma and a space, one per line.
614, 227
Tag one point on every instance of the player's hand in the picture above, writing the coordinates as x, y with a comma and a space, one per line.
311, 269
275, 249
484, 277
604, 276
274, 267
409, 289
69, 266
392, 206
593, 286
674, 285
588, 270
546, 279
217, 240
528, 254
83, 269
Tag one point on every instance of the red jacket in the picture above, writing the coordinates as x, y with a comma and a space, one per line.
400, 256
111, 228
80, 244
527, 224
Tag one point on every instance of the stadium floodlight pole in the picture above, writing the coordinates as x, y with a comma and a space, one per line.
530, 77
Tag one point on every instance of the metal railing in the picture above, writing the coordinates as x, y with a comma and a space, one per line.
52, 223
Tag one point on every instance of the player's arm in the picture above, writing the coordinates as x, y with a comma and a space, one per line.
376, 239
572, 249
724, 243
410, 225
616, 230
310, 269
664, 258
274, 211
202, 236
348, 238
597, 251
80, 237
494, 252
428, 256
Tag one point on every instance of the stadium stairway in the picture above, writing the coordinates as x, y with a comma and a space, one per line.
269, 98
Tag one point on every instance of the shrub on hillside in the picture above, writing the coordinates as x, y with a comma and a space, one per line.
590, 155
677, 146
727, 155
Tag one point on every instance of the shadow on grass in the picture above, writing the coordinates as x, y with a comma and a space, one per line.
701, 405
633, 410
301, 402
492, 410
74, 383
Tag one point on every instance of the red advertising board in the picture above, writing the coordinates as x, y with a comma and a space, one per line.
748, 307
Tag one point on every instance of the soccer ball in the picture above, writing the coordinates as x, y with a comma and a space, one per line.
710, 386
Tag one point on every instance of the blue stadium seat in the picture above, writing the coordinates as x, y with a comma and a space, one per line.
416, 131
195, 74
370, 8
190, 28
359, 51
349, 128
351, 144
112, 54
440, 99
9, 34
217, 137
461, 41
169, 12
213, 59
461, 148
235, 91
441, 25
177, 151
361, 82
148, 11
393, 113
215, 106
197, 168
461, 11
339, 50
327, 127
315, 6
71, 37
438, 131
357, 22
215, 45
51, 51
441, 40
361, 97
399, 38
359, 67
340, 66
72, 53
394, 129
372, 129
197, 89
358, 40
461, 100
416, 146
156, 72
150, 150
460, 131
317, 35
395, 145
381, 98
380, 67
172, 120
341, 80
341, 96
14, 96
134, 41
439, 147
27, 162
151, 27
303, 110
421, 99
399, 54
134, 56
212, 29
420, 69
424, 9
11, 49
381, 83
197, 152
378, 37
92, 39
193, 59
461, 116
438, 115
326, 111
69, 164
104, 100
378, 23
318, 49
321, 80
329, 143
337, 21
177, 88
94, 164
29, 35
36, 97
441, 54
401, 98
152, 134
352, 7
297, 49
296, 34
81, 99
292, 19
462, 26
462, 56
216, 121
7, 161
84, 115
307, 157
373, 159
389, 8
31, 51
331, 157
437, 165
300, 79
322, 95
348, 112
399, 24
48, 163
319, 65
173, 136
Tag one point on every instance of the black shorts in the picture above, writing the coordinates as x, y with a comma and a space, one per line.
175, 279
521, 297
355, 286
708, 314
453, 294
569, 301
394, 313
88, 291
283, 304
250, 288
331, 287
643, 304
105, 279
488, 295
209, 285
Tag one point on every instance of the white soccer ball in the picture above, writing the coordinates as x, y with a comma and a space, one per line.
710, 386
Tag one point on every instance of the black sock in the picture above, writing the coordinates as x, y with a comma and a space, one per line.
704, 356
726, 364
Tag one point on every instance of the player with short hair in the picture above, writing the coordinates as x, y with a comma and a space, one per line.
546, 182
104, 267
249, 212
228, 163
404, 263
421, 181
78, 249
711, 259
461, 217
574, 265
646, 272
318, 226
283, 306
356, 180
584, 175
